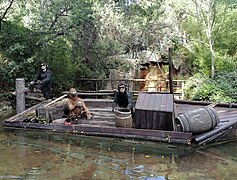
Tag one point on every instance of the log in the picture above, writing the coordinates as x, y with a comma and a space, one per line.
55, 100
34, 98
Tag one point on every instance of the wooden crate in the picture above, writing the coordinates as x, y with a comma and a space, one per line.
49, 113
154, 111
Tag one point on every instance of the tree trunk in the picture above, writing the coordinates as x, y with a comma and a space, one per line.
212, 60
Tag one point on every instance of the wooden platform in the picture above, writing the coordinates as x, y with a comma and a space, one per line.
103, 123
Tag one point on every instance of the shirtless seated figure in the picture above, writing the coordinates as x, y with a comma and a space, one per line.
75, 108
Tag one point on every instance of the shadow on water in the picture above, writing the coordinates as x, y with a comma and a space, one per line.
49, 155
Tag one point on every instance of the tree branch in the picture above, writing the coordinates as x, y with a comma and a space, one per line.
218, 30
57, 16
5, 13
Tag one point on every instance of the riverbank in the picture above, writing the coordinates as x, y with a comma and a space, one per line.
6, 109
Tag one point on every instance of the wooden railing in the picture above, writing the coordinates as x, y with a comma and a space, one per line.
100, 87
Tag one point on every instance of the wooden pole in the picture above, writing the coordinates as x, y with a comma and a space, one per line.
20, 95
170, 72
172, 89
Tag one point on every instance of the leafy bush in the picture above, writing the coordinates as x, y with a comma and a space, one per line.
205, 91
221, 89
224, 63
192, 85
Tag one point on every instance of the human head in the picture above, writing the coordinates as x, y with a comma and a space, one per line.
72, 92
43, 67
122, 87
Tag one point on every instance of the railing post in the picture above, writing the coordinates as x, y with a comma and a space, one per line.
20, 95
96, 86
182, 89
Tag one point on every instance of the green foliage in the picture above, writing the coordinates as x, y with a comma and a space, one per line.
17, 42
205, 91
193, 84
86, 39
57, 54
224, 45
133, 24
224, 63
220, 89
227, 37
211, 39
7, 74
18, 45
227, 83
201, 61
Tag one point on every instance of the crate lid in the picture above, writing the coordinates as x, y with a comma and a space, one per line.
155, 102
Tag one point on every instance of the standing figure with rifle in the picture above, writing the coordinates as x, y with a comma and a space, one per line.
42, 81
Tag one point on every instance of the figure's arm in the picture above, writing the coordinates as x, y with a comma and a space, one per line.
85, 107
36, 77
114, 105
130, 99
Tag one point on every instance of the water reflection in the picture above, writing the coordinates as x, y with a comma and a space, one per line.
46, 155
34, 158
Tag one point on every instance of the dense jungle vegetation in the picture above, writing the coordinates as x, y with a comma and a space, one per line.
85, 38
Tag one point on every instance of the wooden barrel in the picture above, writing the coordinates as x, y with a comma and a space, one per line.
123, 118
197, 120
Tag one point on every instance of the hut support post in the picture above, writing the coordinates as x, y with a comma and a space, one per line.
20, 95
172, 88
170, 72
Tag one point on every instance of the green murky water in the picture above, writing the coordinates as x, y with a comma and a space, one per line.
32, 155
